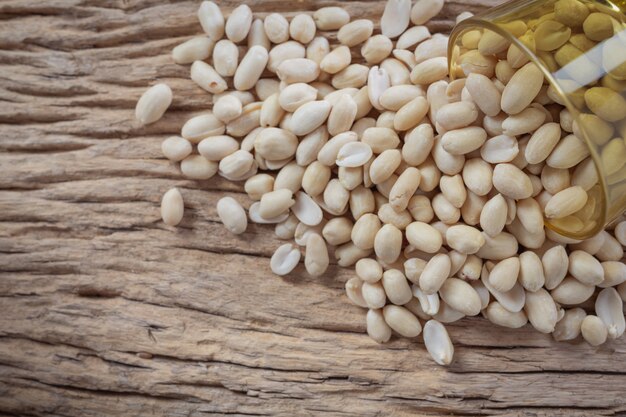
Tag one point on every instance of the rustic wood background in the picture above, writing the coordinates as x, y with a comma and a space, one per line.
106, 311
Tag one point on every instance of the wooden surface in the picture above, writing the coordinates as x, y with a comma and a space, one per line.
106, 311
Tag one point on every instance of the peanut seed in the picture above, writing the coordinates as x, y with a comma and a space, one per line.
598, 26
526, 121
275, 144
337, 231
384, 165
402, 321
376, 48
497, 314
197, 167
257, 35
436, 337
225, 58
342, 115
335, 197
364, 231
609, 307
566, 202
176, 148
369, 270
424, 10
153, 103
593, 330
216, 148
207, 78
464, 140
461, 296
435, 273
424, 237
355, 32
377, 83
276, 28
374, 294
511, 182
238, 23
227, 108
478, 176
172, 207
285, 259
211, 20
198, 48
258, 185
354, 75
331, 18
309, 117
568, 328
431, 48
255, 216
232, 215
522, 89
585, 268
531, 274
541, 311
316, 256
377, 328
498, 247
283, 52
413, 36
504, 274
457, 115
361, 201
606, 103
396, 287
551, 35
571, 291
302, 28
570, 12
275, 203
493, 215
395, 18
429, 71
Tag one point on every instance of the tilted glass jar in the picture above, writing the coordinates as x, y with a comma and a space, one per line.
580, 46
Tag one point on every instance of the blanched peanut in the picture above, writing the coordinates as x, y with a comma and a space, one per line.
424, 237
377, 328
568, 327
504, 274
388, 243
396, 287
541, 311
461, 296
511, 182
522, 89
435, 273
493, 216
465, 239
594, 330
172, 207
402, 321
566, 202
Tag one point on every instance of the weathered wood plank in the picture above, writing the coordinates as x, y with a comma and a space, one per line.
105, 310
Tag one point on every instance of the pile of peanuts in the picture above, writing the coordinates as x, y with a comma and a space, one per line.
366, 152
583, 46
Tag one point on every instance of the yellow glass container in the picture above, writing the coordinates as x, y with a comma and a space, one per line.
580, 46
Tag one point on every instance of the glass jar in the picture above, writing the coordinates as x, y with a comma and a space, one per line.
580, 46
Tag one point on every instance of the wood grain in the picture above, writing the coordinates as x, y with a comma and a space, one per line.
106, 311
